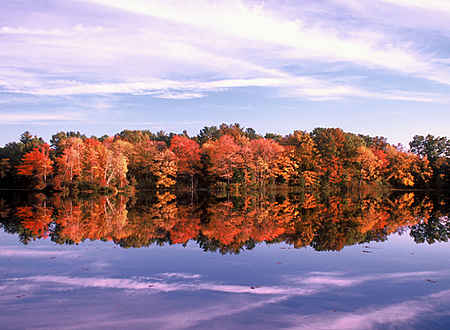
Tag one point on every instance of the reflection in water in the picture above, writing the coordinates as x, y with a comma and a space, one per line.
237, 307
229, 224
395, 284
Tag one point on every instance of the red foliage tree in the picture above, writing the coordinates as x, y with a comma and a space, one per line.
224, 156
187, 152
37, 164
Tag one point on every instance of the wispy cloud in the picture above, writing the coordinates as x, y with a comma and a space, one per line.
78, 29
154, 60
304, 87
214, 46
394, 315
417, 16
12, 118
32, 253
290, 38
438, 5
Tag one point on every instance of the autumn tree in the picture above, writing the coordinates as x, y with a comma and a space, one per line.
92, 167
269, 161
37, 164
304, 153
14, 152
369, 164
224, 157
116, 162
398, 171
69, 163
338, 152
187, 153
164, 168
153, 163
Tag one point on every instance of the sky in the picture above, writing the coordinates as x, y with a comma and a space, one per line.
377, 67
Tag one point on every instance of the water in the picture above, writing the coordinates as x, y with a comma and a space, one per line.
291, 261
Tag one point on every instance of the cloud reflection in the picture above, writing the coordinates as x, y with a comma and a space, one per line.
342, 280
181, 275
161, 286
28, 253
237, 300
170, 282
375, 317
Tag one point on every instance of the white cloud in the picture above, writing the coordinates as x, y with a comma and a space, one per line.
11, 118
289, 38
304, 87
23, 31
213, 46
438, 5
417, 16
5, 30
341, 92
445, 61
178, 95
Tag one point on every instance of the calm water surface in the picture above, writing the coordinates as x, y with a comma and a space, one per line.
290, 262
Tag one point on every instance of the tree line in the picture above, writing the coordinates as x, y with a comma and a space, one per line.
225, 155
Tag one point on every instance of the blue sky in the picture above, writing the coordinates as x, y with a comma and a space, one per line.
378, 67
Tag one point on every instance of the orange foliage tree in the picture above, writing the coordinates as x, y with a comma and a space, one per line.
37, 164
69, 163
152, 161
369, 164
402, 166
269, 161
305, 155
224, 155
187, 152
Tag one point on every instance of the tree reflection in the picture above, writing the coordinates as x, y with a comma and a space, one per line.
229, 224
431, 231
